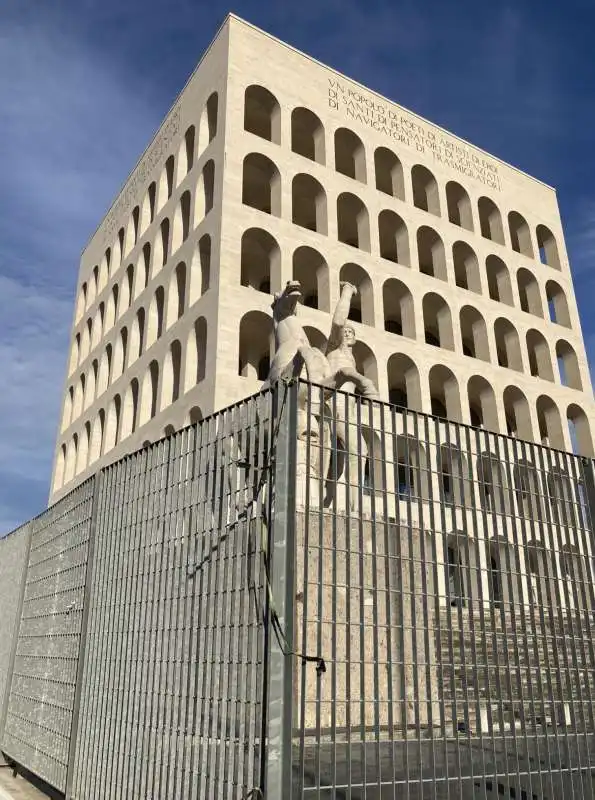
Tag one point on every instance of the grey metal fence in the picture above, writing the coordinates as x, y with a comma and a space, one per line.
311, 595
445, 574
172, 688
43, 680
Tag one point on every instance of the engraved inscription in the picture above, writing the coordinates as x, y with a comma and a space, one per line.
411, 132
137, 181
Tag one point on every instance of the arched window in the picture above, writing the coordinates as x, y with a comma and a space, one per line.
437, 321
71, 458
176, 301
518, 414
260, 261
362, 304
262, 114
490, 220
482, 403
430, 253
166, 182
557, 304
200, 270
97, 331
144, 274
187, 151
170, 389
425, 190
492, 482
261, 184
91, 385
96, 445
403, 382
256, 331
394, 238
307, 135
411, 467
311, 270
74, 354
181, 226
150, 393
105, 367
130, 410
148, 207
580, 430
499, 285
550, 424
466, 267
161, 247
529, 293
112, 425
126, 296
205, 192
365, 362
120, 354
445, 395
474, 336
208, 122
112, 309
455, 573
350, 155
68, 406
540, 360
353, 224
399, 312
155, 318
459, 206
548, 249
195, 415
508, 346
527, 484
520, 235
137, 336
570, 374
389, 173
309, 203
196, 354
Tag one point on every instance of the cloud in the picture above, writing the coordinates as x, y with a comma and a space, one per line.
72, 126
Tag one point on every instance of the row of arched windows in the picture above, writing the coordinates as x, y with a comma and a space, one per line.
160, 386
261, 189
133, 283
261, 270
185, 287
174, 171
404, 383
262, 117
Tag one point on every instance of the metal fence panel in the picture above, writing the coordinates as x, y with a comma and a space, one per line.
445, 574
41, 699
171, 696
14, 550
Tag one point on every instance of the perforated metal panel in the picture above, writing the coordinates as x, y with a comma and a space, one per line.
14, 550
41, 699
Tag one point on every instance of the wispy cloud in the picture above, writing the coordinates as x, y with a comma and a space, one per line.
71, 128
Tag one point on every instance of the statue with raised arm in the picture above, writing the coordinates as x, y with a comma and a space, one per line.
339, 349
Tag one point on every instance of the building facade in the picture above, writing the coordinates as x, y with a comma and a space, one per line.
270, 167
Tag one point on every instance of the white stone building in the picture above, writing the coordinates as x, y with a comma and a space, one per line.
271, 166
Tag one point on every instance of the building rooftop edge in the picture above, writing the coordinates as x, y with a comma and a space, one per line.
388, 100
231, 16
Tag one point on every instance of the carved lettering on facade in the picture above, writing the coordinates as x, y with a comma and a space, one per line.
411, 132
137, 183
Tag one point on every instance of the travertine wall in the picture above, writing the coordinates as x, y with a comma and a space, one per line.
206, 343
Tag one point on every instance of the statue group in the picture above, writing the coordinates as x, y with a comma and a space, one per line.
333, 367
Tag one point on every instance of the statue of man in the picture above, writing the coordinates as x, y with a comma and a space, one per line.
339, 353
339, 349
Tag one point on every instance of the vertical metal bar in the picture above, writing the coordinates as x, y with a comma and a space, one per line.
87, 599
281, 571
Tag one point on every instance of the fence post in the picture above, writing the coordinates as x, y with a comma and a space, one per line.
83, 640
15, 637
281, 553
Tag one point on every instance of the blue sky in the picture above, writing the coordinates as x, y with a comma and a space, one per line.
84, 85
